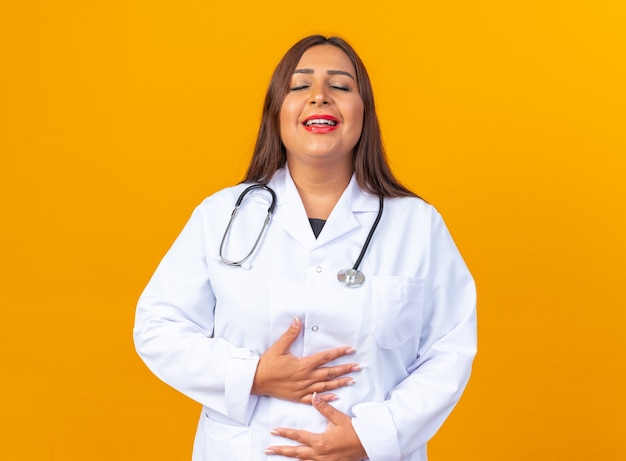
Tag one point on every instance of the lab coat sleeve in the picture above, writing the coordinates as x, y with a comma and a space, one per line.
174, 326
416, 408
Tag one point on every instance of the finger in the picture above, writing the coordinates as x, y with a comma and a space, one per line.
298, 452
322, 358
283, 344
322, 387
328, 411
328, 373
303, 437
329, 397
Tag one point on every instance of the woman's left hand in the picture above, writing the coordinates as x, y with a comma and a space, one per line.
338, 443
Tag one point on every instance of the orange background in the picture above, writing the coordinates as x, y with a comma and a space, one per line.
118, 117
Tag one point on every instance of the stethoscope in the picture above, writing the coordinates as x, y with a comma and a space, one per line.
352, 277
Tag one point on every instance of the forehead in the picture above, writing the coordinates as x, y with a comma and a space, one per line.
326, 57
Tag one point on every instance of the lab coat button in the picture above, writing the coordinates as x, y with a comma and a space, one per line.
314, 328
318, 269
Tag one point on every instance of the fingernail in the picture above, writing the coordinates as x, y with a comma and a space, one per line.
356, 368
350, 382
269, 451
296, 322
350, 350
316, 398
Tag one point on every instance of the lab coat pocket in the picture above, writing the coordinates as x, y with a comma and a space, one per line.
224, 438
397, 304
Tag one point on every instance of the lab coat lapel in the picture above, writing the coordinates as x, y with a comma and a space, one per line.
290, 212
291, 215
343, 218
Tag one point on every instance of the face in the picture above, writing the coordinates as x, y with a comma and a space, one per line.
322, 114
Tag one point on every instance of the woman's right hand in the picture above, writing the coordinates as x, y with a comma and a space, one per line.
282, 375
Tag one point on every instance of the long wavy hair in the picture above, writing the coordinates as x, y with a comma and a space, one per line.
370, 164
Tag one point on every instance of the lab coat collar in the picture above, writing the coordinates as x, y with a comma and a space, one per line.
291, 215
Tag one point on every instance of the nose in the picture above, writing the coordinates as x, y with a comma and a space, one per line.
319, 101
319, 96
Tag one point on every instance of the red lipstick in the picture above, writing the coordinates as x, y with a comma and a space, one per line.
320, 123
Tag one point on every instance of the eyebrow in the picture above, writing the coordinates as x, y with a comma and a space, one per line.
329, 72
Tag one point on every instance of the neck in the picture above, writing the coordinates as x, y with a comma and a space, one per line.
320, 188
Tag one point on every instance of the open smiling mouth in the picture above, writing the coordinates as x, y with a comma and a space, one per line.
320, 124
320, 121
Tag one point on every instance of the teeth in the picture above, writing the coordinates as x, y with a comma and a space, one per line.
320, 121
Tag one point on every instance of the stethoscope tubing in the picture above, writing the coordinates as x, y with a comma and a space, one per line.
348, 277
270, 212
370, 234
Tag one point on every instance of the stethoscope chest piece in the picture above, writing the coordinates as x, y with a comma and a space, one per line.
351, 277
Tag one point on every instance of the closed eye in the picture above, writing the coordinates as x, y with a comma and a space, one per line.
298, 87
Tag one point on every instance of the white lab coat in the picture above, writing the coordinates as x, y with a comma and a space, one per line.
201, 325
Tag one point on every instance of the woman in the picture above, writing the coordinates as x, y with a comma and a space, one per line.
288, 357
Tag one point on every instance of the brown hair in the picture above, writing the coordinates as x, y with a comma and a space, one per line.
370, 165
